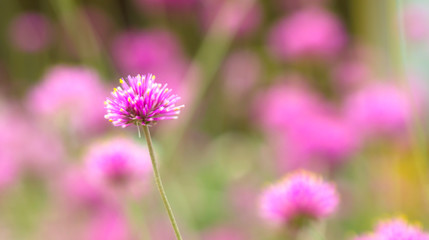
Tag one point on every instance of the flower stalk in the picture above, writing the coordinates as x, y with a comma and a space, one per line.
159, 182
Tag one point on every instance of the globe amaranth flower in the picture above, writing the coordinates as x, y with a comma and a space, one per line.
395, 229
140, 100
300, 197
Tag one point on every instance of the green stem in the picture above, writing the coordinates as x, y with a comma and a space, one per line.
159, 183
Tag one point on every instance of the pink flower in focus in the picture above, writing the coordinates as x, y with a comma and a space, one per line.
30, 32
141, 101
233, 19
300, 197
118, 162
379, 109
71, 97
311, 32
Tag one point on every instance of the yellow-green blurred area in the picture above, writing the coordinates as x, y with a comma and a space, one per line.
339, 88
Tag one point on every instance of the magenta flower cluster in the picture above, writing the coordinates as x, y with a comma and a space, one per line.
300, 196
139, 100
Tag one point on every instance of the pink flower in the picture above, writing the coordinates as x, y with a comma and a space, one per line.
379, 108
398, 229
141, 101
30, 32
395, 229
71, 97
321, 139
307, 33
118, 162
280, 106
300, 197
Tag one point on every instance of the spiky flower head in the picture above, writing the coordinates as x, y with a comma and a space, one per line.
139, 100
300, 197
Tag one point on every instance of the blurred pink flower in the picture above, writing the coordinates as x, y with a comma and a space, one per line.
30, 32
71, 98
395, 229
233, 19
379, 108
398, 229
280, 106
351, 73
118, 162
300, 197
310, 32
223, 233
416, 22
319, 140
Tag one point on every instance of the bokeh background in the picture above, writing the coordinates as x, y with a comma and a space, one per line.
335, 87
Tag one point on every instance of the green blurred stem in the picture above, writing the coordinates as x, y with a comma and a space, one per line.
159, 183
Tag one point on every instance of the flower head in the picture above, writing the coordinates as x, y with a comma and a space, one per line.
140, 100
300, 197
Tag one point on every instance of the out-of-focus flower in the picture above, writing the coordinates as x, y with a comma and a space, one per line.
300, 197
280, 106
320, 140
351, 73
108, 225
169, 5
231, 17
395, 229
379, 109
70, 97
118, 162
30, 32
312, 32
241, 71
223, 233
141, 101
416, 22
